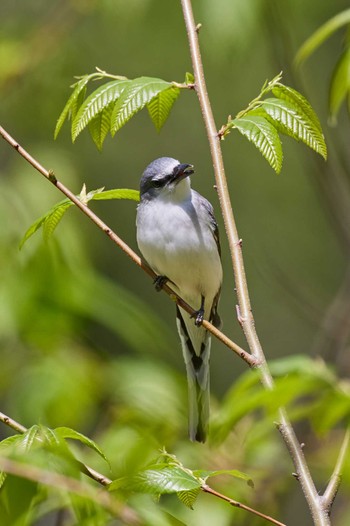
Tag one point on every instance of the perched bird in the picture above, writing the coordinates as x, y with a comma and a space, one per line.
178, 237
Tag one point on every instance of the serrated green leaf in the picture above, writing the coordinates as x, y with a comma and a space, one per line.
204, 474
52, 219
158, 479
263, 135
78, 88
298, 100
94, 104
66, 432
322, 33
100, 125
134, 98
30, 437
117, 193
290, 120
340, 83
160, 106
188, 497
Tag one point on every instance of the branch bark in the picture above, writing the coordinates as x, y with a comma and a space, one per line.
48, 174
246, 316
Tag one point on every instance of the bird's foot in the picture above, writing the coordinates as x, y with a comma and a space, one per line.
159, 282
198, 316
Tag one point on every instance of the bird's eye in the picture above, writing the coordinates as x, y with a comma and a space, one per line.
157, 183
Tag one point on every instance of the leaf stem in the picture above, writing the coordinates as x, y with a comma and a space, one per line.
48, 174
235, 245
237, 504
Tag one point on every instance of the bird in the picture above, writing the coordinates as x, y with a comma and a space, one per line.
178, 237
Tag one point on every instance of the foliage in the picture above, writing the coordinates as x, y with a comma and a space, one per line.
339, 90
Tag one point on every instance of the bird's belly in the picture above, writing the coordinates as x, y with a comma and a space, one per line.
184, 253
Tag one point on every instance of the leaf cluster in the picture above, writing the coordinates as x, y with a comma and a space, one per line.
115, 102
287, 113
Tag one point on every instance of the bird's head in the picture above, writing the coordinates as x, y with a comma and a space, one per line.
165, 177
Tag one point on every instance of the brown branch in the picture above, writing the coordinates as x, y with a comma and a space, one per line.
235, 245
48, 174
331, 491
236, 504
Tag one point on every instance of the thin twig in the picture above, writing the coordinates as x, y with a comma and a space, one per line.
331, 491
236, 504
235, 245
247, 357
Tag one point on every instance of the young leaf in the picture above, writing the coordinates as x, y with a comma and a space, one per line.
52, 219
340, 83
297, 100
71, 103
134, 98
120, 193
94, 104
232, 472
158, 479
99, 126
322, 33
264, 135
160, 106
188, 497
66, 432
292, 121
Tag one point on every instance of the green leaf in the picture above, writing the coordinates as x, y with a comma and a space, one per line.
160, 106
71, 103
188, 497
48, 221
118, 193
189, 78
96, 102
264, 135
158, 479
291, 121
322, 33
340, 83
298, 100
136, 95
66, 432
53, 218
100, 125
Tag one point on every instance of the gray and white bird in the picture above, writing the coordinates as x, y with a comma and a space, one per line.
178, 237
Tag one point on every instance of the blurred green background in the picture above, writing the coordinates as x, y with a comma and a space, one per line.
84, 340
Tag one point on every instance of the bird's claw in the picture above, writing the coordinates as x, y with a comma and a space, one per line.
159, 282
198, 315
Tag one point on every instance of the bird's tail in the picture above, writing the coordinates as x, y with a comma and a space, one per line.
198, 379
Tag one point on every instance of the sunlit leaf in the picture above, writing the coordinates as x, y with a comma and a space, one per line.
119, 193
292, 121
298, 101
158, 479
205, 474
100, 125
340, 83
66, 432
263, 135
78, 88
322, 33
136, 95
160, 106
52, 219
99, 99
188, 497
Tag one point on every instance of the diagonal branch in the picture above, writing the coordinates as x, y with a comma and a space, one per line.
331, 491
245, 311
247, 357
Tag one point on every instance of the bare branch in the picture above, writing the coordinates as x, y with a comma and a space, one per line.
236, 504
331, 491
48, 174
235, 245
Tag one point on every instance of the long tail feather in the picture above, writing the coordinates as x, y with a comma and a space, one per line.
198, 379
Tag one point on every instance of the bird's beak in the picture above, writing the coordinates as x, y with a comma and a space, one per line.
182, 171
